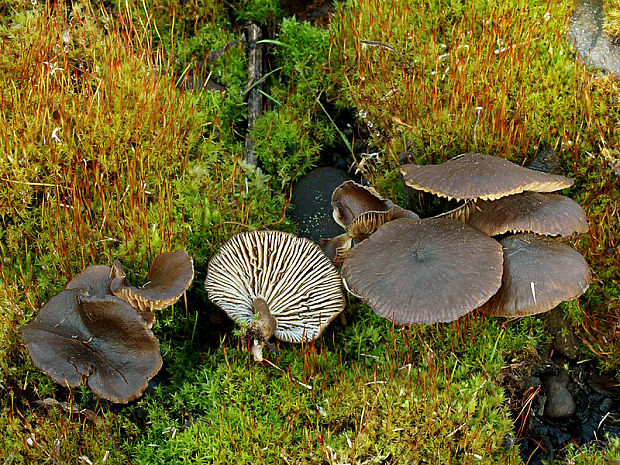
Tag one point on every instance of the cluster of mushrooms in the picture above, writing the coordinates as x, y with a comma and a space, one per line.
275, 284
97, 331
412, 270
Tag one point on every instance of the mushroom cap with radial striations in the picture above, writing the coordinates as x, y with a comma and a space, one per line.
477, 176
424, 271
291, 274
96, 340
170, 274
539, 273
547, 214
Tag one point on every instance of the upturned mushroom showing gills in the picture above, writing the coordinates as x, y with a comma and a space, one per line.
98, 340
350, 200
275, 284
424, 271
476, 176
170, 274
361, 210
539, 273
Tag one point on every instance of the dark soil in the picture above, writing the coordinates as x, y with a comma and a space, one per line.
534, 381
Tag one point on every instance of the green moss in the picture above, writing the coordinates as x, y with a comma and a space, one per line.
142, 167
47, 435
365, 391
612, 18
256, 11
475, 79
288, 139
591, 455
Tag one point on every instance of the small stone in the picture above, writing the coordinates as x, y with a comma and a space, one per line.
311, 199
546, 161
560, 402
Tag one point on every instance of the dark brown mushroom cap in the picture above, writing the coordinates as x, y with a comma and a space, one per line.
93, 279
424, 271
477, 176
96, 340
351, 199
291, 274
539, 273
169, 276
548, 214
99, 280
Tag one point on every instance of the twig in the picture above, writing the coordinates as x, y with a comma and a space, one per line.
307, 386
71, 408
216, 54
254, 88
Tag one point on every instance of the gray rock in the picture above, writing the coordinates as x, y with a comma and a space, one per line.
311, 200
564, 339
560, 402
594, 46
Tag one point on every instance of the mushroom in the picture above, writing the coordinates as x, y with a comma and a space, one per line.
337, 248
169, 276
350, 200
424, 271
97, 340
476, 176
547, 214
274, 284
360, 210
96, 280
93, 279
539, 273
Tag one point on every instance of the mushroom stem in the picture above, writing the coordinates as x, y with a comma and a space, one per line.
259, 331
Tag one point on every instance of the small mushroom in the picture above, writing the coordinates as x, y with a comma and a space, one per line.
97, 340
350, 200
547, 214
539, 273
424, 271
169, 276
360, 210
477, 176
264, 276
337, 248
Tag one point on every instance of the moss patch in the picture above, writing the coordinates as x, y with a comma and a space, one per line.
612, 18
109, 158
